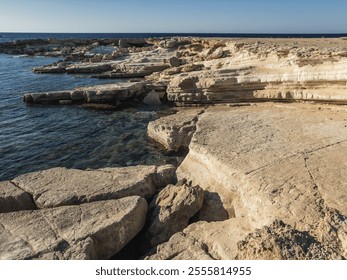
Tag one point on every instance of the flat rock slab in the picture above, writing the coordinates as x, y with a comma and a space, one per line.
60, 186
95, 230
110, 93
279, 162
14, 199
282, 162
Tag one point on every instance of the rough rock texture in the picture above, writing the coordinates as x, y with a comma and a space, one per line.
90, 231
278, 162
88, 68
170, 211
175, 131
14, 199
110, 93
60, 186
264, 70
281, 242
202, 240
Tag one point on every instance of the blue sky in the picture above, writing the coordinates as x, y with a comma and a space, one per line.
224, 16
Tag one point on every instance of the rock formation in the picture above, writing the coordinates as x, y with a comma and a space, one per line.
267, 163
266, 180
89, 231
74, 214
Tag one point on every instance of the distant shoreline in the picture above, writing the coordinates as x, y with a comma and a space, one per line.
151, 35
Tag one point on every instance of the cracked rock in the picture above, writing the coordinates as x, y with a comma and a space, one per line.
60, 186
95, 230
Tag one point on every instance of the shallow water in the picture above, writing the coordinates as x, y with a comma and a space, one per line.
36, 137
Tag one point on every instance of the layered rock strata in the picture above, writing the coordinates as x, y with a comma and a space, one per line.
270, 163
114, 94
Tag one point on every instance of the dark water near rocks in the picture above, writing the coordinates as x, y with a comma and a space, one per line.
35, 137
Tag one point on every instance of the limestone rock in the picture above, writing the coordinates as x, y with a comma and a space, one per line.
88, 68
60, 186
95, 230
181, 247
218, 53
109, 93
170, 211
174, 61
268, 157
202, 240
112, 92
281, 242
152, 99
175, 131
14, 199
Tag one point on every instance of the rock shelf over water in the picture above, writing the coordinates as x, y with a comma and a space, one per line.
264, 177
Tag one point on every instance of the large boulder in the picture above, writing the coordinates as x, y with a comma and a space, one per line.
175, 131
170, 211
90, 231
60, 186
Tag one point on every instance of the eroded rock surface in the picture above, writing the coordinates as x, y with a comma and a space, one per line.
268, 157
14, 199
203, 240
170, 211
282, 242
60, 186
90, 231
109, 94
175, 131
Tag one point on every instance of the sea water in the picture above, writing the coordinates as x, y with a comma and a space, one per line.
34, 138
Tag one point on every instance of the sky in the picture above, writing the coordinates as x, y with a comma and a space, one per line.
186, 16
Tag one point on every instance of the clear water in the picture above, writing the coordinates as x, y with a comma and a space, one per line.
35, 137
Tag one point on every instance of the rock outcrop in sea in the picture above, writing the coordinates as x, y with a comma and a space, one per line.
264, 128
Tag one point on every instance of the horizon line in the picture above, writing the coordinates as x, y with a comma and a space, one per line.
257, 33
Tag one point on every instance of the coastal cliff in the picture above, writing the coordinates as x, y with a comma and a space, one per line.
263, 127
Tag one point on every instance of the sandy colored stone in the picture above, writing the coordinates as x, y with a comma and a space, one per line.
280, 162
14, 199
112, 92
95, 230
203, 240
175, 131
281, 242
170, 211
60, 186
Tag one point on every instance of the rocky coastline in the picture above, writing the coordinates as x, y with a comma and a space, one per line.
263, 124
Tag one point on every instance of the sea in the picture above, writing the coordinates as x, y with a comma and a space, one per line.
34, 138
